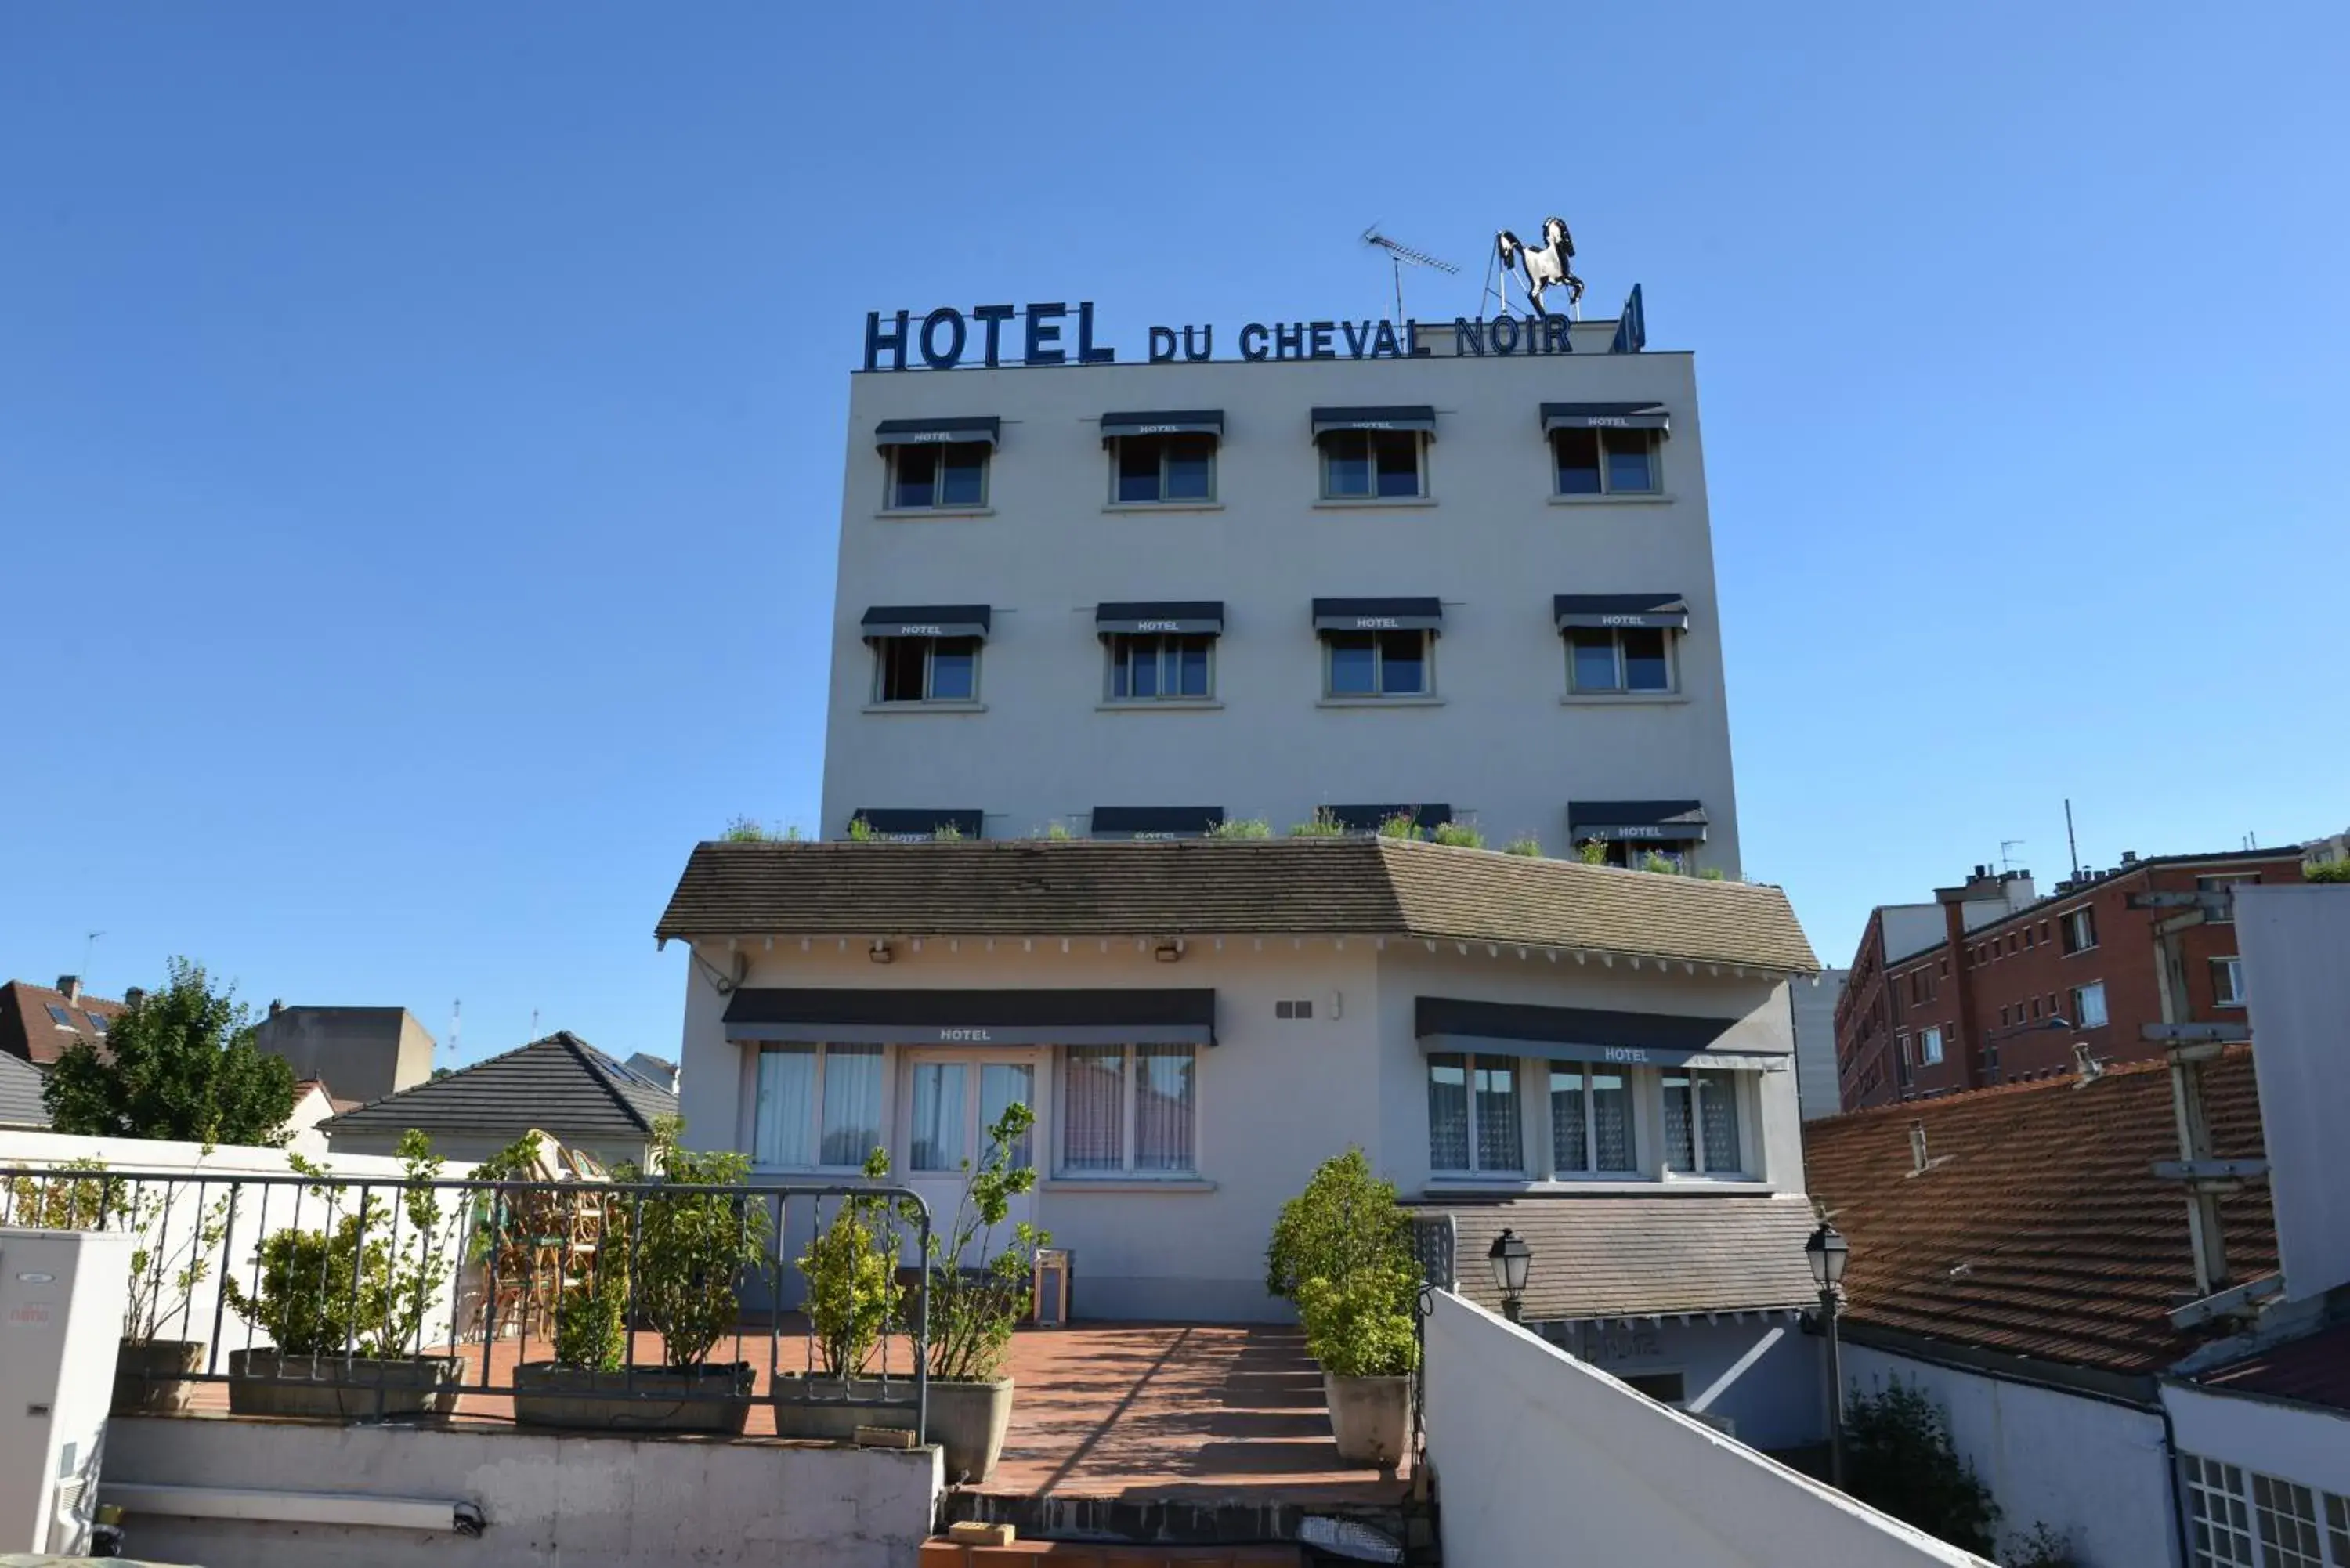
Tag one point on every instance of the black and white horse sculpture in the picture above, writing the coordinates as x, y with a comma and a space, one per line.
1544, 269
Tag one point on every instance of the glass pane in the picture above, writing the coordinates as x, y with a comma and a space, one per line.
1122, 660
1001, 1086
1190, 667
1644, 660
1578, 461
1397, 454
1093, 1109
1403, 662
1346, 464
1352, 664
1630, 460
2288, 1517
1191, 468
954, 669
938, 1141
962, 474
1138, 469
1163, 1107
786, 1105
1497, 1114
1680, 1144
903, 662
1569, 1149
852, 1102
1448, 1112
917, 473
1593, 655
1717, 1099
1611, 1123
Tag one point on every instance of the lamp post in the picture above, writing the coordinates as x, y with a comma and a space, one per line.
1512, 1259
1827, 1253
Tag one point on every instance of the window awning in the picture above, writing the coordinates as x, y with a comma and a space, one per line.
1584, 1034
917, 1017
1667, 611
928, 620
1396, 417
1646, 821
1156, 821
1178, 421
919, 822
1160, 615
984, 427
1605, 416
1378, 615
1367, 818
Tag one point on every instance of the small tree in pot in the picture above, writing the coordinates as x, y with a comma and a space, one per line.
1342, 1252
853, 1294
978, 1295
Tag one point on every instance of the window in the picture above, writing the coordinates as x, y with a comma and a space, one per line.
1629, 659
1377, 664
947, 1127
1302, 1008
2027, 938
2221, 883
2002, 1018
2036, 1007
1129, 1110
1664, 1387
2089, 1006
1631, 853
2271, 1523
2228, 982
1473, 1113
1148, 667
1930, 1048
1701, 1119
2286, 1516
1360, 465
2080, 929
926, 669
1605, 462
97, 1020
1162, 468
62, 1019
817, 1106
1591, 1122
949, 473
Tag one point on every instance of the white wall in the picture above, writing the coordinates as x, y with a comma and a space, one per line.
1493, 545
2297, 1001
1778, 1401
551, 1501
2292, 1442
2090, 1468
1815, 1003
1539, 1458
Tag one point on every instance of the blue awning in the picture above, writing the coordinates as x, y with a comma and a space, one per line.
1649, 416
1669, 611
1584, 1034
1181, 615
1156, 821
1180, 422
1388, 416
1637, 821
911, 826
1378, 615
1371, 818
984, 427
928, 620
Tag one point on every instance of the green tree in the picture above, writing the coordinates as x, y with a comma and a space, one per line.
179, 1063
1899, 1457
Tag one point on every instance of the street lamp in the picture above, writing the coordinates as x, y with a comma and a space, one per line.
1827, 1253
1513, 1259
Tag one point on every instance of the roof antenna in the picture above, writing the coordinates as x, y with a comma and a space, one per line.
456, 1017
2007, 861
88, 942
533, 1025
1400, 254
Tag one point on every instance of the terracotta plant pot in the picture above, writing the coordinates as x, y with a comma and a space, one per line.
341, 1389
1370, 1417
708, 1399
968, 1420
810, 1405
151, 1376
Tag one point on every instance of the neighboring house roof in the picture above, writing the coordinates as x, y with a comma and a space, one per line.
1369, 885
31, 1032
2039, 1227
20, 1095
561, 1084
305, 1086
2314, 1370
1641, 1257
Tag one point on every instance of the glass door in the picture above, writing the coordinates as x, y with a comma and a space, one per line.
951, 1099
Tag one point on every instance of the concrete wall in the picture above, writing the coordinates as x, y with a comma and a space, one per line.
1816, 1041
2302, 1443
2093, 1469
2292, 940
1541, 1459
549, 1500
1040, 747
361, 1052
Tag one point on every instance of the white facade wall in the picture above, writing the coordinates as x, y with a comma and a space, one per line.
1814, 1004
1503, 744
2092, 1469
2297, 1001
2304, 1444
1544, 1460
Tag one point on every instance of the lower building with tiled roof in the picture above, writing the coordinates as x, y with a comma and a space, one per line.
559, 1086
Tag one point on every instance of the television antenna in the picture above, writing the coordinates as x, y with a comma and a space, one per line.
2006, 860
1398, 254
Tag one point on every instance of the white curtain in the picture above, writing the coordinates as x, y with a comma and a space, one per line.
1498, 1147
852, 1102
1093, 1109
1568, 1149
938, 1140
1163, 1104
1611, 1122
785, 1116
1448, 1111
1717, 1100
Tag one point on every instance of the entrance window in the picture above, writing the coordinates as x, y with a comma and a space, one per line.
950, 1125
818, 1108
1129, 1110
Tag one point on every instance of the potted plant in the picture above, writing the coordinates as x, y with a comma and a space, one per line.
680, 1255
1341, 1251
853, 1296
346, 1309
977, 1300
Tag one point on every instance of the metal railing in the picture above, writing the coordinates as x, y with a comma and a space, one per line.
396, 1298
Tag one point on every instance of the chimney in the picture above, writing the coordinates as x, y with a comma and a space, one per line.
1954, 900
133, 997
275, 1007
70, 984
1917, 1161
2129, 857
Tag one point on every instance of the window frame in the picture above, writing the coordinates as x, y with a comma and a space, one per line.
822, 1052
1929, 1046
1117, 444
1746, 1170
1330, 636
1652, 440
1129, 1098
2104, 1015
1419, 444
881, 649
890, 501
1616, 635
1168, 656
60, 1017
1469, 1061
2214, 881
2233, 967
1592, 1170
2072, 922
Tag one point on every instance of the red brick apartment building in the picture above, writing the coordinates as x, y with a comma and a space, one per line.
2014, 981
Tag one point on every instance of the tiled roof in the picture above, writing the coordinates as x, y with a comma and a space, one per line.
561, 1084
1367, 886
20, 1095
1632, 1257
2039, 1227
2314, 1370
28, 1030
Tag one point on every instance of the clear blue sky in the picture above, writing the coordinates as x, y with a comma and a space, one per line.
420, 426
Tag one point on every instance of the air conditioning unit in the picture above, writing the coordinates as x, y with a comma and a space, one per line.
62, 1295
